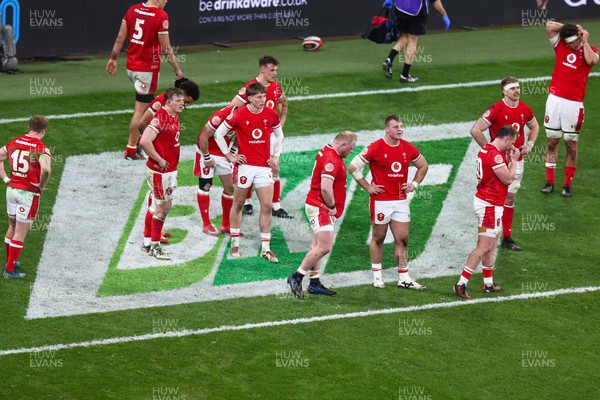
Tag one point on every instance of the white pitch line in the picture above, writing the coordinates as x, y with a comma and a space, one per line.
228, 328
300, 98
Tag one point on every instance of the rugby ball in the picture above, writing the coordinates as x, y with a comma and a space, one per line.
312, 43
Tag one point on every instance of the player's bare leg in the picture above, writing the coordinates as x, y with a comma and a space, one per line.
226, 201
389, 61
487, 265
19, 232
277, 210
376, 251
159, 215
134, 134
265, 198
485, 244
322, 243
551, 157
570, 167
235, 218
409, 56
400, 232
507, 222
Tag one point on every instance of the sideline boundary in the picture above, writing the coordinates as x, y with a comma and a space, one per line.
301, 98
358, 314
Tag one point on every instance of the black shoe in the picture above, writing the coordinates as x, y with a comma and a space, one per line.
461, 291
491, 288
387, 69
510, 244
567, 192
248, 209
281, 213
318, 288
296, 286
549, 188
408, 79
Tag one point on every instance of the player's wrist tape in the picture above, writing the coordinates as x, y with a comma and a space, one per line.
113, 55
233, 150
332, 207
530, 143
6, 179
415, 184
206, 157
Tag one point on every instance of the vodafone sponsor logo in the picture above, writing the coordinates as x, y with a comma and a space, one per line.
257, 133
270, 104
571, 58
396, 167
516, 127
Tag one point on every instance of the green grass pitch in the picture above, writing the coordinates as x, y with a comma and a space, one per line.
543, 348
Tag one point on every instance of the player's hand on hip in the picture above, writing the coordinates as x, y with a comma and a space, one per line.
273, 162
408, 187
375, 188
210, 163
163, 164
238, 159
525, 149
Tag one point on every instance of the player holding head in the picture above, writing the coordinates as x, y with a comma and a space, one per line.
494, 173
191, 94
210, 162
160, 141
146, 26
255, 125
389, 159
30, 170
575, 58
267, 76
509, 111
324, 205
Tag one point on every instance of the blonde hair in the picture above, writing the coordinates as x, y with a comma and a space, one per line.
345, 137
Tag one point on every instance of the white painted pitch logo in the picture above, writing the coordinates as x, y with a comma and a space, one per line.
79, 294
